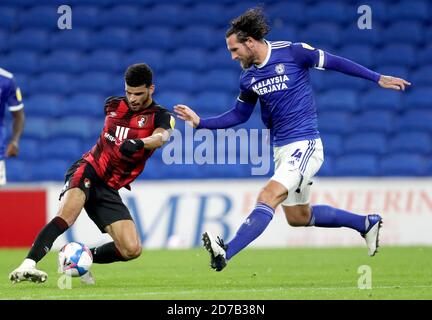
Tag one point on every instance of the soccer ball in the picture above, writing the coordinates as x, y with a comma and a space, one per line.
75, 259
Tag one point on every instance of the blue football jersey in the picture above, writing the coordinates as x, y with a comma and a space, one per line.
10, 96
282, 85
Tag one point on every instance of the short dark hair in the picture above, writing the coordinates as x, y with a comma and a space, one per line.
139, 74
252, 23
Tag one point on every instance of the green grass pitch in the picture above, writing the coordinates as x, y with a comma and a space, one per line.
271, 274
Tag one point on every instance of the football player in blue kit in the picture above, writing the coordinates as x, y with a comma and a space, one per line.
10, 98
277, 74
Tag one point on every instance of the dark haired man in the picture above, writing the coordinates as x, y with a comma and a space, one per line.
135, 126
277, 74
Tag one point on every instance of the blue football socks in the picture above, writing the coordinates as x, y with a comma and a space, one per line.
254, 225
329, 217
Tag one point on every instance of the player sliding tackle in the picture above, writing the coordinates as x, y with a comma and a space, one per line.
277, 74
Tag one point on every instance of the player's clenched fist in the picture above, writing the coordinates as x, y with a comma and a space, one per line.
130, 146
12, 149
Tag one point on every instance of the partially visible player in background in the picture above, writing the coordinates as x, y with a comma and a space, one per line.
10, 96
135, 126
277, 74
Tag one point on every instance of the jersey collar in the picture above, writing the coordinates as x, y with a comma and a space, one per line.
269, 50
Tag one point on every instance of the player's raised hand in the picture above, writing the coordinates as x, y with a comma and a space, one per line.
187, 114
390, 82
12, 149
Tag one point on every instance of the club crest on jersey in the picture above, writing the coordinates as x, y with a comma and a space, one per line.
142, 121
280, 68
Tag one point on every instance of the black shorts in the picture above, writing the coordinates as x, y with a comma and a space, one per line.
103, 203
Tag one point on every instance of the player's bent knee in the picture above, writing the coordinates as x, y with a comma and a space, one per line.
131, 252
267, 196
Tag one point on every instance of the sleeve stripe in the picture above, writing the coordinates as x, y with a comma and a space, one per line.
321, 59
16, 108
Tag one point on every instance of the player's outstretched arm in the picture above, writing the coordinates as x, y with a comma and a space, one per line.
389, 82
187, 114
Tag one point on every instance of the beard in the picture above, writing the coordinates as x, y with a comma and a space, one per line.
248, 61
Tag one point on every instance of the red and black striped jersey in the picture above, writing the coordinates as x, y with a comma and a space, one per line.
116, 169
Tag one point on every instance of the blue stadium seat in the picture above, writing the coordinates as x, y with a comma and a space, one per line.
395, 71
321, 35
37, 128
366, 143
379, 99
416, 142
222, 80
50, 170
104, 60
356, 165
71, 149
86, 16
30, 39
62, 61
287, 12
43, 105
78, 127
333, 145
197, 36
404, 32
211, 14
39, 17
330, 80
338, 99
210, 101
51, 82
423, 76
8, 20
424, 55
17, 170
396, 54
327, 168
353, 35
102, 83
4, 41
360, 53
76, 39
86, 104
111, 38
415, 120
284, 33
170, 15
30, 149
420, 98
153, 57
180, 81
412, 10
160, 37
21, 61
188, 59
334, 122
221, 58
374, 121
403, 164
168, 99
122, 16
329, 11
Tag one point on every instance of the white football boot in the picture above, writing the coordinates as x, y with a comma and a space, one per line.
373, 226
27, 272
